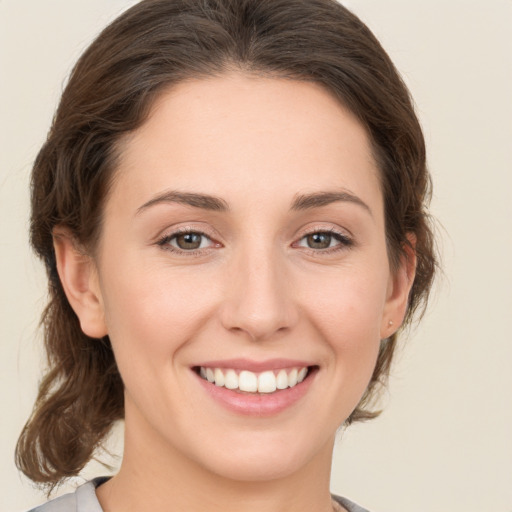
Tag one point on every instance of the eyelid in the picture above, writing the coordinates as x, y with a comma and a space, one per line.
346, 240
319, 228
164, 239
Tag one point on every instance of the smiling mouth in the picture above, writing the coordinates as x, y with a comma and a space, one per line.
245, 381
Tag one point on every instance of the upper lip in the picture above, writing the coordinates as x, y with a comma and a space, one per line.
255, 366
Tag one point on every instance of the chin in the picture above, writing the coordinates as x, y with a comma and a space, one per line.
257, 468
267, 457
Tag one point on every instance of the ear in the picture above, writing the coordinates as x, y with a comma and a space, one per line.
399, 286
79, 278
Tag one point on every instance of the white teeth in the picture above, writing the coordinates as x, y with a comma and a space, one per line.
292, 378
265, 382
282, 380
247, 381
219, 377
231, 379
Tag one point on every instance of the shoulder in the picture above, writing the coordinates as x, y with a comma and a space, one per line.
348, 505
65, 503
83, 499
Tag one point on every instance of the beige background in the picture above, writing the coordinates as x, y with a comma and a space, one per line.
445, 440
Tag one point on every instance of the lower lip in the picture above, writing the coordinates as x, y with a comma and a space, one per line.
258, 404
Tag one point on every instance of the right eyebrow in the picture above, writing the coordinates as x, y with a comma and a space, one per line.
203, 201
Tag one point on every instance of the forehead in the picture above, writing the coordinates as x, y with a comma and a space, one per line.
238, 134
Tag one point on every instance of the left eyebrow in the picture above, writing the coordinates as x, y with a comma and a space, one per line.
203, 201
319, 199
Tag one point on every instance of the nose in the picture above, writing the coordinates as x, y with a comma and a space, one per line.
258, 301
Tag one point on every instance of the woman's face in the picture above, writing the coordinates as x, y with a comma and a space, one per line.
243, 241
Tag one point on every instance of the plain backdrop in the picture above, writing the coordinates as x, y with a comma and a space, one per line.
444, 442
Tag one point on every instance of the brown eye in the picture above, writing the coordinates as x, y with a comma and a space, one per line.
189, 241
323, 240
319, 240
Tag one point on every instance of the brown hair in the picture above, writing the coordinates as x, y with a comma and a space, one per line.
151, 46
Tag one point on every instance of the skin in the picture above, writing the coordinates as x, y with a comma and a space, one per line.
255, 289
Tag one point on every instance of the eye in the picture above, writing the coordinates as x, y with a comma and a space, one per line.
322, 240
187, 241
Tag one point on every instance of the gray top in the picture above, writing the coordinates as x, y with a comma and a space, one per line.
84, 500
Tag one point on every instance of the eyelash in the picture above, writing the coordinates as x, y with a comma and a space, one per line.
164, 242
345, 242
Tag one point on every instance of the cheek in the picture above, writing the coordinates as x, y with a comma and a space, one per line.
154, 311
347, 312
150, 317
349, 302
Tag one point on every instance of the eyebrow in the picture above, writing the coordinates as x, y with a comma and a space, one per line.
319, 199
214, 203
203, 201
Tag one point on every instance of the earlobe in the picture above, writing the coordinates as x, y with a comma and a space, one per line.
78, 275
399, 287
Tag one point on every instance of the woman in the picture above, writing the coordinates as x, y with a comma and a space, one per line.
231, 206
